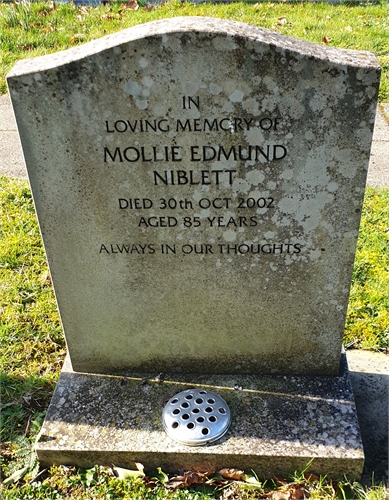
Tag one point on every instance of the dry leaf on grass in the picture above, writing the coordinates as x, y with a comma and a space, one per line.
279, 495
48, 29
131, 5
140, 467
77, 37
294, 491
231, 474
311, 477
298, 494
188, 479
128, 473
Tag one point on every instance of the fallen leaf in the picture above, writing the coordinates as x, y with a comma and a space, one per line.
252, 480
298, 493
127, 473
193, 477
5, 449
232, 474
151, 484
282, 20
52, 6
133, 5
175, 484
76, 38
232, 492
16, 476
280, 495
48, 29
326, 39
311, 477
140, 467
187, 480
217, 480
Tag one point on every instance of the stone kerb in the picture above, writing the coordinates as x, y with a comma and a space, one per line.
198, 184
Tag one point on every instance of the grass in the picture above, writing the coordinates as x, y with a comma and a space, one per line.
100, 483
36, 28
30, 331
367, 323
33, 349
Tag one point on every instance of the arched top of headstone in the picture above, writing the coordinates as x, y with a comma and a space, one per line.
179, 26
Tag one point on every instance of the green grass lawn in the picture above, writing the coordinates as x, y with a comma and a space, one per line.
36, 28
33, 349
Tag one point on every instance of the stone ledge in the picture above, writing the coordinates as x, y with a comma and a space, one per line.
278, 424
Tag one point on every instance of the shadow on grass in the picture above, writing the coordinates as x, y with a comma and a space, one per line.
24, 402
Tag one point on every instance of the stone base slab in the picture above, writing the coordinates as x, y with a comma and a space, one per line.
278, 424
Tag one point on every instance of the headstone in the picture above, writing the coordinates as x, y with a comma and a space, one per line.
199, 185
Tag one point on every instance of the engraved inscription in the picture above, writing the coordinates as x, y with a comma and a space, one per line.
207, 213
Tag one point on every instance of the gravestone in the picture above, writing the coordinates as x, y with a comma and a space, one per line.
198, 185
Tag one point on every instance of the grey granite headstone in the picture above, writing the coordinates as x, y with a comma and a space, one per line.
199, 184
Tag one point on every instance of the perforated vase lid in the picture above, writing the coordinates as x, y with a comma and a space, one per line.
196, 417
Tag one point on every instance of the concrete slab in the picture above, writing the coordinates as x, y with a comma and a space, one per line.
378, 173
369, 375
278, 424
7, 118
11, 156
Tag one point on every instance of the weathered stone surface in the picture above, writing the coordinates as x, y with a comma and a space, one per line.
198, 184
278, 424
